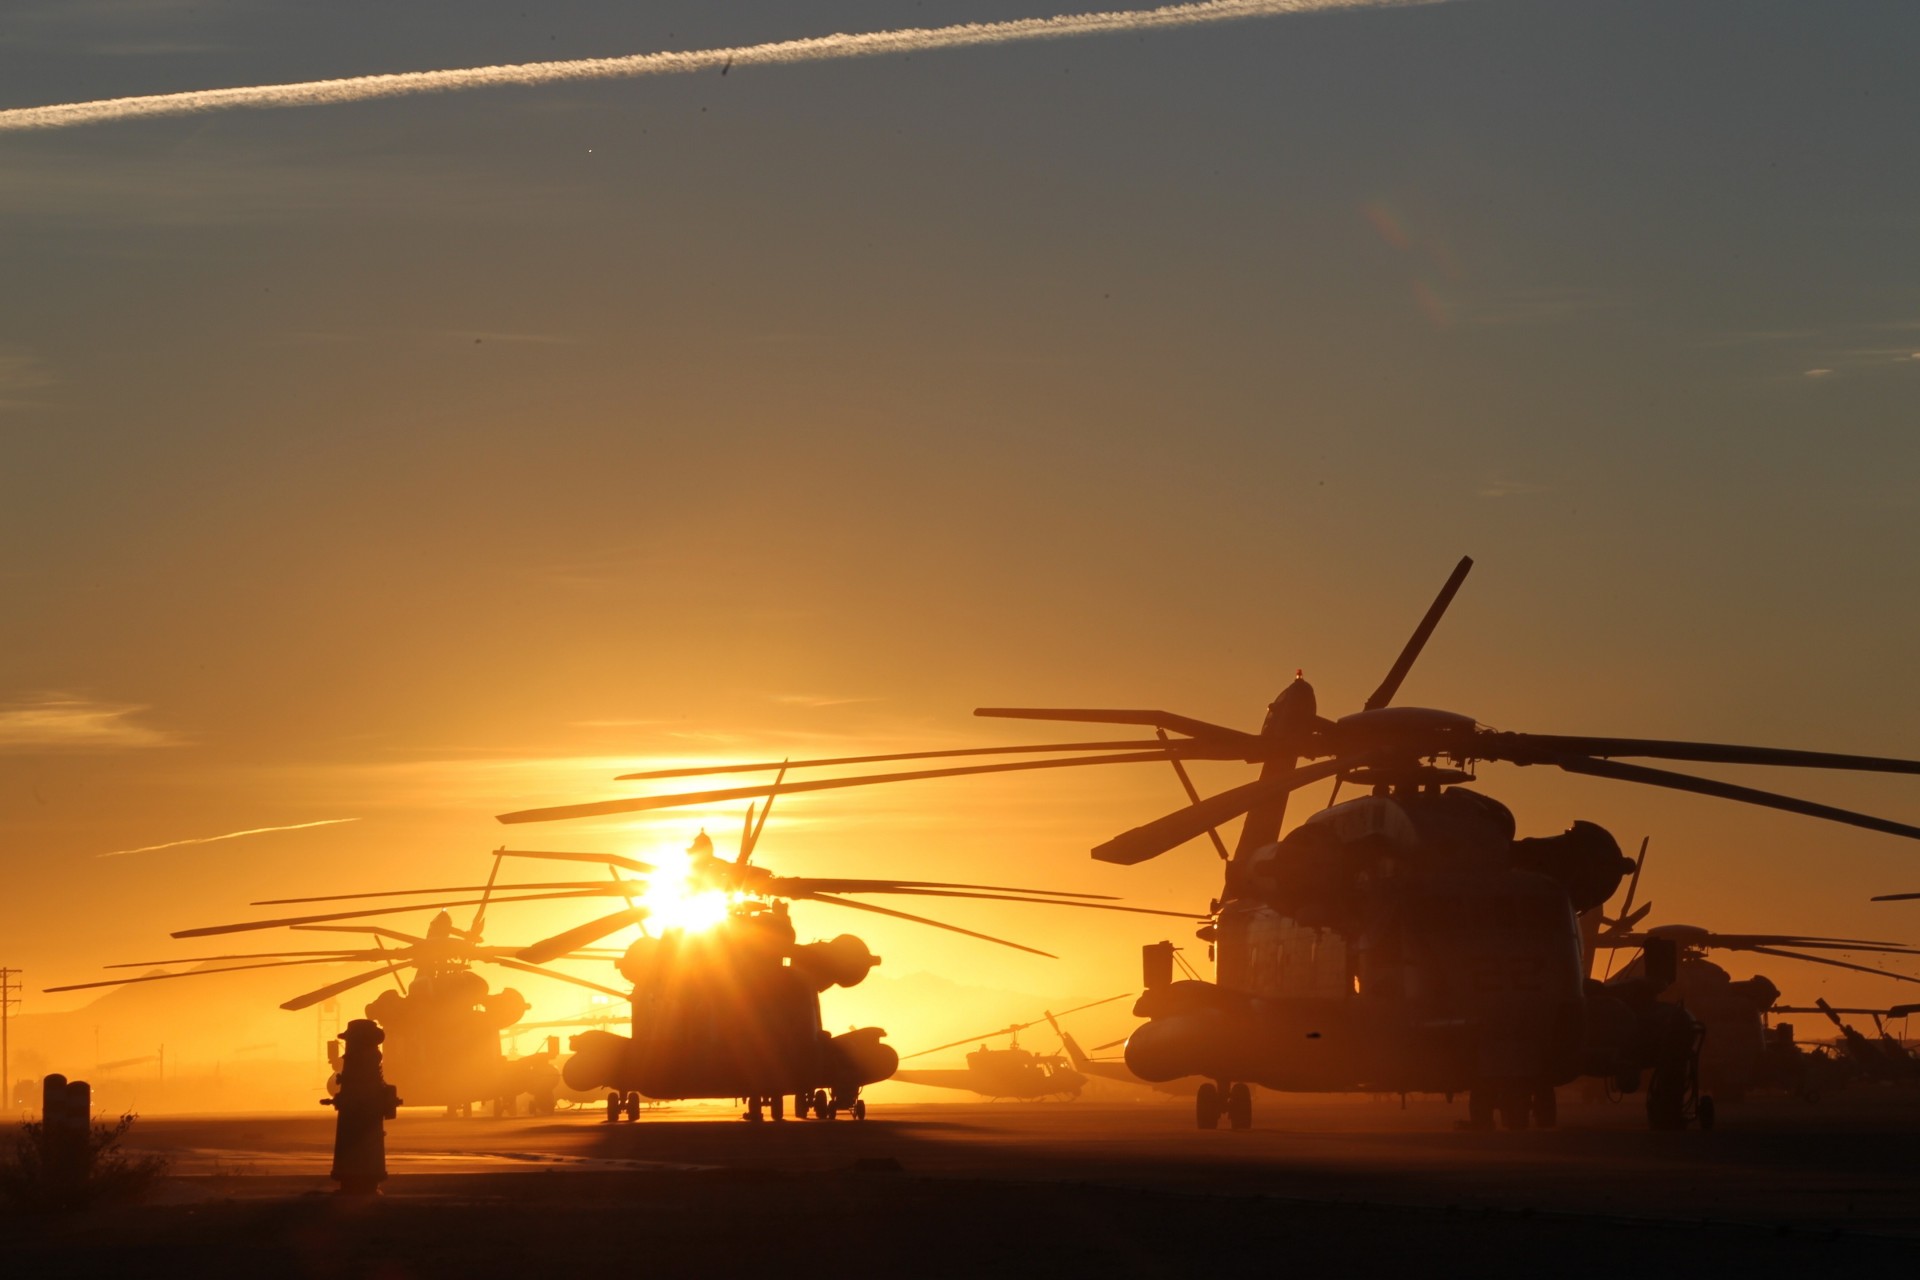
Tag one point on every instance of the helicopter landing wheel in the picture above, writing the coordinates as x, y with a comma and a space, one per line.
1240, 1107
1206, 1106
822, 1105
614, 1102
1515, 1105
633, 1107
1666, 1100
1479, 1108
860, 1109
1546, 1107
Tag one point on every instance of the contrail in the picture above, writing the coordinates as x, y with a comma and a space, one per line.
868, 44
231, 835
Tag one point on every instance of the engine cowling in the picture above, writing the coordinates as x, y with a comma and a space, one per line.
843, 962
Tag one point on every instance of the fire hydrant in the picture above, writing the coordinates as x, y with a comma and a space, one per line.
365, 1099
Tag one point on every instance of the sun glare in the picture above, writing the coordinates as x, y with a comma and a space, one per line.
674, 901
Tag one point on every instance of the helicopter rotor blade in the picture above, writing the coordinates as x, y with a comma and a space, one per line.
1418, 641
193, 973
639, 804
955, 1044
557, 976
999, 897
297, 921
333, 989
765, 766
371, 929
351, 954
1894, 897
609, 859
1193, 797
1752, 941
1199, 732
1633, 886
400, 893
1175, 829
1625, 923
1727, 791
937, 924
828, 884
1091, 1004
642, 803
1838, 964
1548, 748
1016, 1028
479, 921
752, 839
580, 935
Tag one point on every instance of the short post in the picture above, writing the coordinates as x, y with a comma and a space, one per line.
66, 1125
365, 1099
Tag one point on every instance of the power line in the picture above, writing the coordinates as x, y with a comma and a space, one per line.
9, 997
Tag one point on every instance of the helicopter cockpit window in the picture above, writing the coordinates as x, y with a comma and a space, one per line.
1291, 959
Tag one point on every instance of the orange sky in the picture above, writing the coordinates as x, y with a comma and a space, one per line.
413, 462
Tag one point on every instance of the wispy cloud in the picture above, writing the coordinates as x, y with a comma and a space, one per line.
57, 722
316, 93
1836, 350
815, 700
230, 835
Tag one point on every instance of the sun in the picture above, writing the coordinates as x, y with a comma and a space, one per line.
674, 900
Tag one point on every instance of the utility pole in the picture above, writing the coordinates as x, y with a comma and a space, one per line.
9, 997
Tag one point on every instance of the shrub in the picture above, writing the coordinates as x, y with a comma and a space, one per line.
106, 1174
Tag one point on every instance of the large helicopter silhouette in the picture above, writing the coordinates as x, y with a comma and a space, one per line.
1402, 941
443, 1028
732, 1010
1012, 1072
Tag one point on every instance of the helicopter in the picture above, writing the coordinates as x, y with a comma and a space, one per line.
1739, 1053
443, 1029
732, 1009
1737, 1056
1012, 1072
1881, 1058
1402, 941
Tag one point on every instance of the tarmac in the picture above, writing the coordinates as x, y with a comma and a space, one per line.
1111, 1189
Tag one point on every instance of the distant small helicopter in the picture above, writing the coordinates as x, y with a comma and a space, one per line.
1882, 1058
1404, 941
443, 1029
1012, 1072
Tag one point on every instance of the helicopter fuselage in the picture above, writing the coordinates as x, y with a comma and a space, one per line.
1395, 943
1453, 982
1005, 1073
